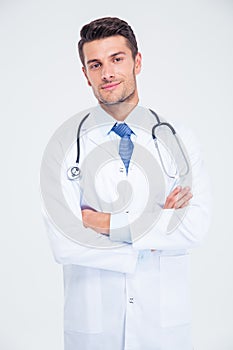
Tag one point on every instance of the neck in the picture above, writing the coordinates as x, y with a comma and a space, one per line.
121, 110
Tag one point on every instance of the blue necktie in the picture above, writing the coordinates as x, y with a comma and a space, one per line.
126, 145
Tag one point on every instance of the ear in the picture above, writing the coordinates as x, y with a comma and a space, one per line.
138, 63
85, 73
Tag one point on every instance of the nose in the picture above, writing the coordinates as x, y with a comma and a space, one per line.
107, 72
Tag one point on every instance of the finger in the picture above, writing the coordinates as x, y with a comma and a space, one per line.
172, 198
185, 204
177, 196
184, 191
176, 190
183, 194
184, 199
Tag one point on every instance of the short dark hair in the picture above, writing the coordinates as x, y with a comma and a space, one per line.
106, 27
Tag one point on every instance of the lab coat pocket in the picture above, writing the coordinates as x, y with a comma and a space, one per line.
174, 290
83, 303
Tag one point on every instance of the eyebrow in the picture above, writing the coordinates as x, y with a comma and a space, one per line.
113, 55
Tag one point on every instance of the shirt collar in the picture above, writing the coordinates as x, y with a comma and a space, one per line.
107, 121
100, 123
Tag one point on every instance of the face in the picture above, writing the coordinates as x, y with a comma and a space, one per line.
111, 70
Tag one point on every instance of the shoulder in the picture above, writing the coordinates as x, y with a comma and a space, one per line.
70, 126
183, 131
189, 141
185, 134
65, 135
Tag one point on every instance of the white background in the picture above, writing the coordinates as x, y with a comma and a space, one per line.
187, 74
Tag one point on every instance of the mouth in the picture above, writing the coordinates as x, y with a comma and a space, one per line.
110, 86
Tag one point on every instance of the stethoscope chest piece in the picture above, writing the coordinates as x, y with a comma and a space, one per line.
73, 173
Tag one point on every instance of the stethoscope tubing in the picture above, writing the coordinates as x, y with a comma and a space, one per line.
76, 170
78, 137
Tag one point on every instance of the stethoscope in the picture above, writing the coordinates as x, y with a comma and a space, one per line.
74, 172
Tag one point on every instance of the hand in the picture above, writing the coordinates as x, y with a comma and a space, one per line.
98, 221
178, 198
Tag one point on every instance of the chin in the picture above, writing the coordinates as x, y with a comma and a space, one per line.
110, 103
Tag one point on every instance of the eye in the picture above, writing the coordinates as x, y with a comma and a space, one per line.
94, 66
118, 59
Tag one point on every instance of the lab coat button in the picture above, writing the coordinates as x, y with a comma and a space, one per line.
131, 300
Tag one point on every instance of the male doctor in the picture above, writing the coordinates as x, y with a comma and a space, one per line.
133, 295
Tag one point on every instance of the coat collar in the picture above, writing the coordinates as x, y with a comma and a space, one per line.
99, 124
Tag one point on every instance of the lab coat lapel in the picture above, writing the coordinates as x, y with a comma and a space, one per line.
104, 142
97, 127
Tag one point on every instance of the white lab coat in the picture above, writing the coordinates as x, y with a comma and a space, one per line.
129, 297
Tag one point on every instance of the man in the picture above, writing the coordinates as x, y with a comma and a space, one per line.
135, 295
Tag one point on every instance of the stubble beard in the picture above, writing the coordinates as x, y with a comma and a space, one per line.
125, 97
122, 99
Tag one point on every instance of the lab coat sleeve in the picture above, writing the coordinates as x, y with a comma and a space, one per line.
193, 221
120, 220
65, 250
